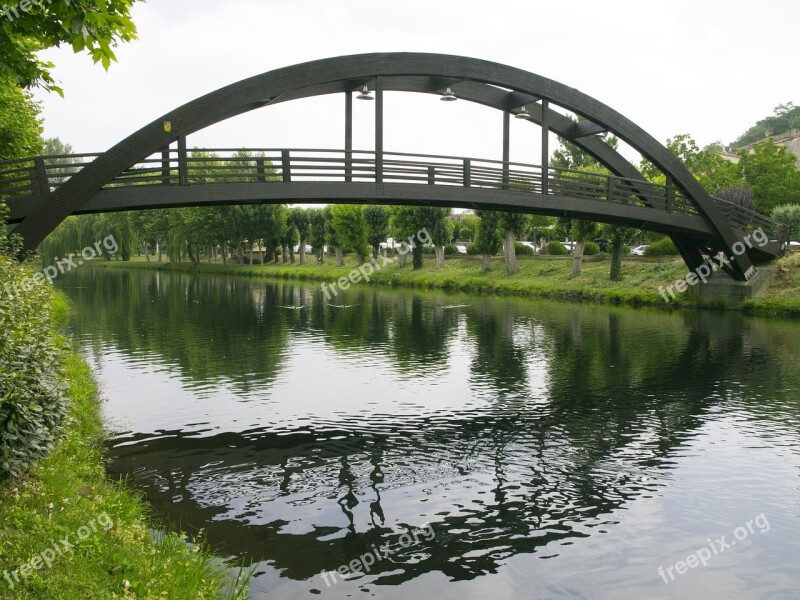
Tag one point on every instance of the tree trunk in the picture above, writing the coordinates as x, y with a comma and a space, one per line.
577, 257
439, 256
190, 252
339, 256
158, 249
251, 253
401, 259
208, 254
616, 261
291, 253
146, 252
487, 262
510, 253
302, 252
285, 253
224, 254
416, 256
240, 251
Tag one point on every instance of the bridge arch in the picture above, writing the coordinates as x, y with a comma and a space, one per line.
511, 90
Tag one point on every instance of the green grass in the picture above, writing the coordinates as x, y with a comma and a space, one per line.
69, 490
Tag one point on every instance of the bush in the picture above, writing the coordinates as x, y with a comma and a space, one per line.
32, 400
428, 249
555, 248
520, 248
789, 214
590, 249
663, 247
472, 249
450, 250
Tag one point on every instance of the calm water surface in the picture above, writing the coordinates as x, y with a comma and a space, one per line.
548, 450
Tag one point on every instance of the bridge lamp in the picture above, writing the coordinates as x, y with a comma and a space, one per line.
365, 94
448, 95
523, 114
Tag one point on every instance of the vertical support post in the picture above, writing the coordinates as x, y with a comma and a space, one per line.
431, 175
379, 129
261, 173
348, 136
610, 191
42, 180
165, 167
506, 147
545, 146
669, 194
467, 173
183, 163
286, 166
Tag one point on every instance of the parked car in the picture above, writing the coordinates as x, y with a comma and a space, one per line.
308, 248
462, 247
639, 250
602, 243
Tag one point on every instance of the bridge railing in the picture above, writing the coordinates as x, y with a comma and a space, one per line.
745, 220
264, 165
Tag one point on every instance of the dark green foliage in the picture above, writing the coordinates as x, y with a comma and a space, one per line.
472, 249
451, 250
663, 247
32, 401
487, 238
785, 117
789, 214
376, 221
521, 248
770, 170
555, 248
590, 249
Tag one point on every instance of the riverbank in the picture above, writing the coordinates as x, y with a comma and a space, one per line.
67, 531
539, 276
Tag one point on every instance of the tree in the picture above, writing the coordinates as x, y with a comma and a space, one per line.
770, 170
299, 218
487, 237
20, 124
513, 225
468, 225
785, 117
436, 220
348, 221
333, 236
405, 224
789, 214
619, 236
712, 171
316, 218
28, 27
740, 195
376, 221
581, 231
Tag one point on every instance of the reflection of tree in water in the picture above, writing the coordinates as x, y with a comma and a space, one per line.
521, 473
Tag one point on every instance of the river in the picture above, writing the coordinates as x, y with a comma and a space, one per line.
450, 446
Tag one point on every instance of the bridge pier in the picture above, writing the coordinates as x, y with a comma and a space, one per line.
722, 291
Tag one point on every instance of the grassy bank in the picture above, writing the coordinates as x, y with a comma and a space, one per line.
539, 276
68, 498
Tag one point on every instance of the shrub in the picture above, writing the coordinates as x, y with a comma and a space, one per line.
472, 249
32, 400
590, 249
428, 249
789, 214
663, 247
520, 248
555, 248
450, 250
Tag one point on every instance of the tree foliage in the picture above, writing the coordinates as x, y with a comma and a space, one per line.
376, 221
20, 124
770, 170
86, 25
784, 118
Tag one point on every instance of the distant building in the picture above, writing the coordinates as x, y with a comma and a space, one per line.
789, 140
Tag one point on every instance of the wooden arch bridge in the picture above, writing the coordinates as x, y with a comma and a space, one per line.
152, 168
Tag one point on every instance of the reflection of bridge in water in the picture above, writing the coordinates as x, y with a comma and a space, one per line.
514, 477
152, 168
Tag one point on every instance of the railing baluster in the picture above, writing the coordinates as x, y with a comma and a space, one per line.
286, 165
261, 175
41, 180
183, 162
467, 173
165, 167
431, 175
610, 190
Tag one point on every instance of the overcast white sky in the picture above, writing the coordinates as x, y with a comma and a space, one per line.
710, 68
